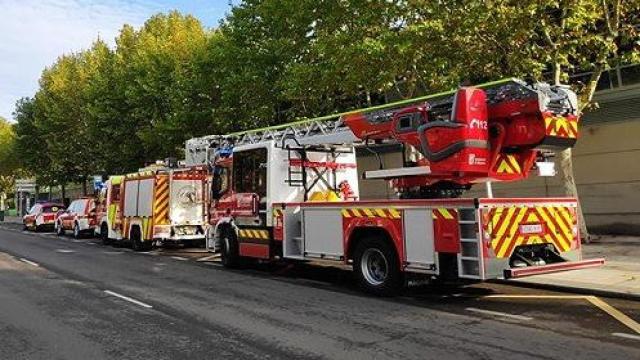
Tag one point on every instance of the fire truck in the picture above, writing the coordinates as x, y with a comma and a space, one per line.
154, 206
290, 192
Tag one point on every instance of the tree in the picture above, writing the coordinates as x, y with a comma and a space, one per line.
8, 161
569, 36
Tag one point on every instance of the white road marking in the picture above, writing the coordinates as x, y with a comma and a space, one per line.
30, 262
179, 258
113, 252
77, 241
208, 258
497, 313
65, 251
126, 298
627, 336
91, 243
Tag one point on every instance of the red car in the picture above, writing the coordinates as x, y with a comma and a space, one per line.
79, 217
41, 216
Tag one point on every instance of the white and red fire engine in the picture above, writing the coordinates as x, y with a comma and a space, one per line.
291, 192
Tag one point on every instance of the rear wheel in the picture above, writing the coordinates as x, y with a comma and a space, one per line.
229, 247
376, 267
136, 241
104, 234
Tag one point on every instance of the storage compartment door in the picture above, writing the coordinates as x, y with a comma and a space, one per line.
145, 197
131, 198
323, 233
419, 238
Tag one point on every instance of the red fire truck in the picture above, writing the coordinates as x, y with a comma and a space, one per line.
291, 192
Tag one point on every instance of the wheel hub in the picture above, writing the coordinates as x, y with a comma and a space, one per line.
374, 266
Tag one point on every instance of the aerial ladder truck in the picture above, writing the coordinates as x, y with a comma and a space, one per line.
290, 192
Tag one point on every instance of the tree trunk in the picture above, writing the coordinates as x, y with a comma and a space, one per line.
63, 190
570, 189
84, 186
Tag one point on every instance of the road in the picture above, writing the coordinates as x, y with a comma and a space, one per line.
77, 299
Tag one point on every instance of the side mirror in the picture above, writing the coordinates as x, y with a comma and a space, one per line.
216, 186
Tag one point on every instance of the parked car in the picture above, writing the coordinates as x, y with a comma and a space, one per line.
41, 216
79, 217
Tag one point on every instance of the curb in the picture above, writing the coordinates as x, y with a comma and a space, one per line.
571, 289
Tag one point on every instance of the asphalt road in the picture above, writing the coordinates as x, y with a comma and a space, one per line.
77, 299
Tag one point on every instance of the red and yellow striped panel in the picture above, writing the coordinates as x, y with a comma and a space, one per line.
277, 212
504, 225
444, 214
561, 126
389, 213
507, 164
254, 234
161, 201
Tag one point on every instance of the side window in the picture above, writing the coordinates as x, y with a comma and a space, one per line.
409, 122
35, 209
115, 193
74, 206
250, 171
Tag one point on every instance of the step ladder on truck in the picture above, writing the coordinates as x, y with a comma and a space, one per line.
291, 192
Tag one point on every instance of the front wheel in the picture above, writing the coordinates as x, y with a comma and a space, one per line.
376, 267
76, 231
230, 253
104, 234
59, 229
136, 242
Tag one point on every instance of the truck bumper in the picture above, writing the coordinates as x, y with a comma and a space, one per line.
551, 268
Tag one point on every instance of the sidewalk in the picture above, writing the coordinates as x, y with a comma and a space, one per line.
619, 277
12, 220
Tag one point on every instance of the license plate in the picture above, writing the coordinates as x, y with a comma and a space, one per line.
531, 229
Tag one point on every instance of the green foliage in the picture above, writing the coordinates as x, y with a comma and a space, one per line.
8, 161
110, 110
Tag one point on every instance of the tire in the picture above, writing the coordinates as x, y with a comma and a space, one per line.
59, 229
104, 234
136, 243
230, 254
376, 267
76, 231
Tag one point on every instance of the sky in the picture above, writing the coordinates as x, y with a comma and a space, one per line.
33, 33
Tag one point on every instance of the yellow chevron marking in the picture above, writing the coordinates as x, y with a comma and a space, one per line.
368, 212
503, 227
551, 227
345, 213
514, 164
511, 231
394, 213
564, 228
445, 213
504, 167
265, 234
356, 212
381, 213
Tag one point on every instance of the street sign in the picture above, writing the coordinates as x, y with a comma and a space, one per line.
25, 185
